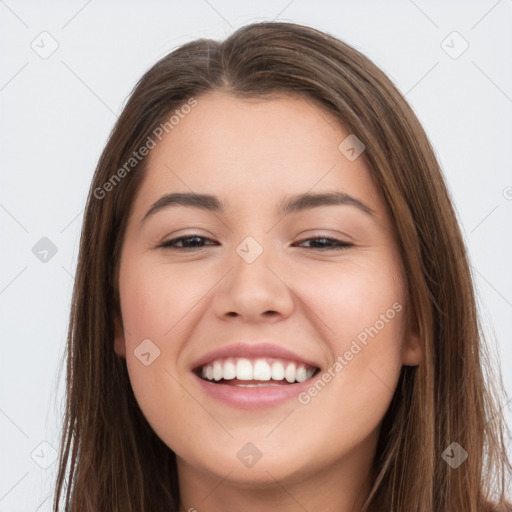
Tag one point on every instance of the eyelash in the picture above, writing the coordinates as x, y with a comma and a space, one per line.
169, 243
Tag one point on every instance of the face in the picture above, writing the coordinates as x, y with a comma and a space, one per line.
263, 335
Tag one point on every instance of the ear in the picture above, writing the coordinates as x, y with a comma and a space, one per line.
119, 341
413, 350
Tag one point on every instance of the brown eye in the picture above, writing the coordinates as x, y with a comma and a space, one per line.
333, 244
188, 242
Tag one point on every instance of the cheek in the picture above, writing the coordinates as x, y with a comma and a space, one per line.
154, 305
361, 308
154, 299
352, 299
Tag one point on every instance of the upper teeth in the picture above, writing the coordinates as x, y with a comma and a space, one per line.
258, 369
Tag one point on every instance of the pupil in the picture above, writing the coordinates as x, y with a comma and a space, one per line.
188, 242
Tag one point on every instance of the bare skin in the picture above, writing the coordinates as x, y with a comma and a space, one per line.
300, 294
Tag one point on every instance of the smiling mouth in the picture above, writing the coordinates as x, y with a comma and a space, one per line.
258, 372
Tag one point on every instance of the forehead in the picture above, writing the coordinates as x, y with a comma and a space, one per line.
253, 150
224, 125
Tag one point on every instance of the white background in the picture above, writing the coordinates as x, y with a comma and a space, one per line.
56, 114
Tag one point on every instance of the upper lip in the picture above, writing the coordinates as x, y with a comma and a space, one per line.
251, 350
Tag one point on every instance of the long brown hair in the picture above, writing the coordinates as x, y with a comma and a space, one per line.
115, 460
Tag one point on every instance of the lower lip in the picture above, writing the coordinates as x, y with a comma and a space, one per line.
253, 398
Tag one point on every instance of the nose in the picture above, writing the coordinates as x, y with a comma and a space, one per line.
254, 291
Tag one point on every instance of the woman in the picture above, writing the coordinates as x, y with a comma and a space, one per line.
273, 306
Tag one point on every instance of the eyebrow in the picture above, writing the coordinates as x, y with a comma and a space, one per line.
288, 205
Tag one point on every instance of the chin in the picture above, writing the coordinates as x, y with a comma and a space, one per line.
281, 466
